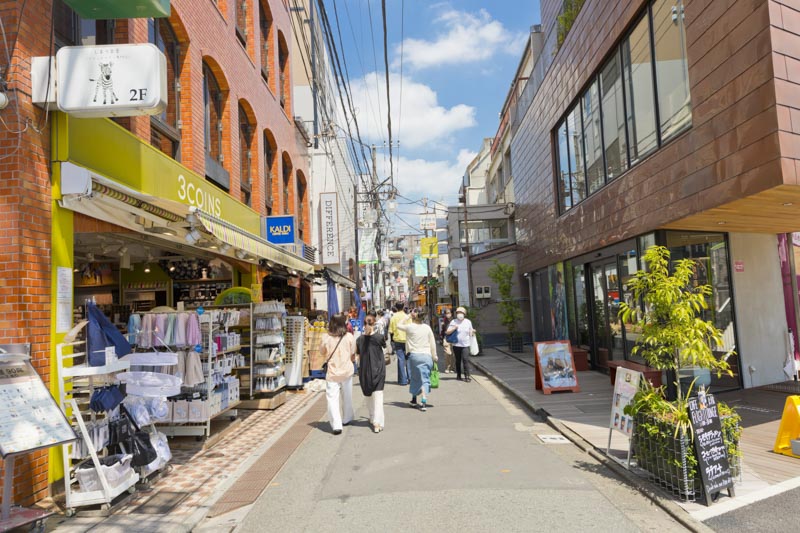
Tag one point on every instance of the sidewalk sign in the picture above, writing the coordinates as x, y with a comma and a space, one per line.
712, 454
30, 419
789, 428
626, 384
555, 367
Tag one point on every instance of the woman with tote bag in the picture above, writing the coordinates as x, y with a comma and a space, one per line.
338, 347
463, 327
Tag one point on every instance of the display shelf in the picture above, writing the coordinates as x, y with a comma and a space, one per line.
260, 316
267, 391
208, 280
84, 370
194, 429
229, 350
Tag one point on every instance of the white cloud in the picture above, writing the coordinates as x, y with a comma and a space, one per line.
436, 180
424, 122
465, 38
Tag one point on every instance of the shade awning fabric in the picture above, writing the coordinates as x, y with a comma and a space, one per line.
239, 238
339, 279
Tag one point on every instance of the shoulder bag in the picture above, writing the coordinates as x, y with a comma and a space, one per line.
452, 338
325, 364
139, 444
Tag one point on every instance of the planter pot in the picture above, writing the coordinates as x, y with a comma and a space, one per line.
515, 344
669, 457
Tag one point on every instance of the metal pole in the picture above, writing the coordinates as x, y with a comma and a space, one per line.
466, 252
314, 73
355, 233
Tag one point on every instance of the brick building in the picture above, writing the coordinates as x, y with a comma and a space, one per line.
669, 122
228, 135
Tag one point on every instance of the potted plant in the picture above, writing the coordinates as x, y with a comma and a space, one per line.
672, 337
510, 313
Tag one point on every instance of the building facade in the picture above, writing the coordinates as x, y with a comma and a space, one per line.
142, 196
660, 122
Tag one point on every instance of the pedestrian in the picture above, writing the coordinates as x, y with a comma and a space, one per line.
399, 343
372, 371
421, 349
338, 348
463, 325
448, 349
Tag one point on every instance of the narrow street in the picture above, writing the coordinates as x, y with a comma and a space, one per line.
474, 461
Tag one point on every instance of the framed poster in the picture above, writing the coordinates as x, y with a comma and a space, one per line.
625, 386
555, 366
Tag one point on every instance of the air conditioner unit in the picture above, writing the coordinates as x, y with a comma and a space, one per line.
483, 292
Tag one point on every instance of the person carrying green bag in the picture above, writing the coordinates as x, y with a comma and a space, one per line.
421, 349
435, 376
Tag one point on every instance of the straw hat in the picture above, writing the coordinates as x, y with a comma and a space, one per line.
461, 310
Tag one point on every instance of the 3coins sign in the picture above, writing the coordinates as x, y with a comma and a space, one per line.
712, 454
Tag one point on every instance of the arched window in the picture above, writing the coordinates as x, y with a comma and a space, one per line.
265, 23
212, 100
245, 156
270, 151
283, 64
301, 203
287, 181
164, 128
241, 21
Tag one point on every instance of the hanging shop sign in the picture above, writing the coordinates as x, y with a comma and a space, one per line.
329, 228
429, 247
119, 80
420, 266
427, 221
280, 229
367, 252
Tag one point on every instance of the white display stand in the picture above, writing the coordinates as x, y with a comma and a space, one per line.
69, 378
29, 420
295, 338
265, 339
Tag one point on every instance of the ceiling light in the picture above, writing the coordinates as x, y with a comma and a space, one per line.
122, 251
90, 257
294, 272
241, 254
147, 268
193, 236
225, 248
172, 267
270, 264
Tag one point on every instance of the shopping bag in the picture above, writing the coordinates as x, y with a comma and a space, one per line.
435, 376
452, 338
474, 349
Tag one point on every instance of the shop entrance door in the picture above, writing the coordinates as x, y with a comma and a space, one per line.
609, 340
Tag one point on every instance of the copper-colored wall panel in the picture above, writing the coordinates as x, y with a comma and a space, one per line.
733, 148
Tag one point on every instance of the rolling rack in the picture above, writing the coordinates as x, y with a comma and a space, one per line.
74, 381
222, 398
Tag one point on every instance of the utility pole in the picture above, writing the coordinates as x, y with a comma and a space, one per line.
428, 290
466, 252
314, 73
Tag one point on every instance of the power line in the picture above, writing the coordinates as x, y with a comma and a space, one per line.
388, 96
400, 103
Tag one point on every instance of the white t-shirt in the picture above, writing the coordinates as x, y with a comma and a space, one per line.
464, 328
419, 338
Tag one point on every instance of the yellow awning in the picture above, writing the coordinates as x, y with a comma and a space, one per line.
253, 244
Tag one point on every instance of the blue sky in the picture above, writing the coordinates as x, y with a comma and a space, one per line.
459, 59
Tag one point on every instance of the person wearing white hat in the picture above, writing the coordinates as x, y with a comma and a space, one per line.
463, 326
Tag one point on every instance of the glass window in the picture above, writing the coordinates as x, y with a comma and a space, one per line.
613, 119
639, 94
269, 165
265, 21
287, 176
212, 99
507, 164
577, 179
672, 74
595, 175
241, 20
564, 191
245, 155
72, 30
165, 134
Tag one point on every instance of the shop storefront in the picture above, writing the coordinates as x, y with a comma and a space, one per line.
134, 230
580, 299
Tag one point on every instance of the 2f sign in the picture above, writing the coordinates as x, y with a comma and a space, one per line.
111, 80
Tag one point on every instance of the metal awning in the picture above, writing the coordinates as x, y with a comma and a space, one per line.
253, 244
339, 279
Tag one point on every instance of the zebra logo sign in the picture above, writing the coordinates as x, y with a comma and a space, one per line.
111, 80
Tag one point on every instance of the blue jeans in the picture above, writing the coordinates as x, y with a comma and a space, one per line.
402, 369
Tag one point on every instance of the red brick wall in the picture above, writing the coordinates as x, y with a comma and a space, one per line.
731, 150
25, 212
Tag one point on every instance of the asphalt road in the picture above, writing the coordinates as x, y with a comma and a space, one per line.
473, 462
777, 513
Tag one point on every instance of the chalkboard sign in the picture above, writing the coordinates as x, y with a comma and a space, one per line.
712, 454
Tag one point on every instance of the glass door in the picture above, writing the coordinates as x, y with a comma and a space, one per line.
609, 341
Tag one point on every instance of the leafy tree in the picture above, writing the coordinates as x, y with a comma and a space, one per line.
673, 335
510, 313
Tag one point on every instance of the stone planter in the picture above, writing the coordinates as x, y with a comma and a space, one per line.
669, 458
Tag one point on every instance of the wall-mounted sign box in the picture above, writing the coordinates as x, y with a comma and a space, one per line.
114, 9
280, 229
111, 80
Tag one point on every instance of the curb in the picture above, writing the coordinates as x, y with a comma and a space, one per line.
669, 506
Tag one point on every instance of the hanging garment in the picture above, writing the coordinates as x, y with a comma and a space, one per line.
169, 336
193, 336
180, 329
194, 370
159, 329
134, 327
100, 334
146, 333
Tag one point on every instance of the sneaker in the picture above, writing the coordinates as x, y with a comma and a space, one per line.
337, 431
377, 429
413, 402
424, 406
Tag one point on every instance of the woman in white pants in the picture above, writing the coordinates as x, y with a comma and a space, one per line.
338, 347
372, 371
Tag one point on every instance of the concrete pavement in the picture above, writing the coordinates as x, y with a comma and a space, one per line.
475, 461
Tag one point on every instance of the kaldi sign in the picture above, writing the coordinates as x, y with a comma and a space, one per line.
329, 228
